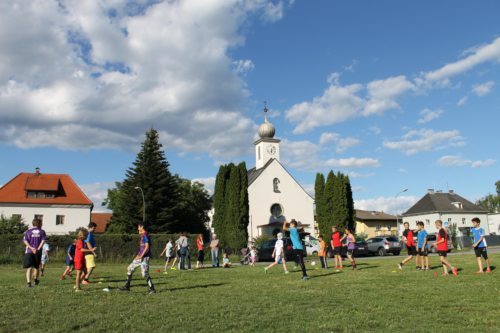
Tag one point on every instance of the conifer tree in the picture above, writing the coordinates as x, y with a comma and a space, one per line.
329, 203
319, 195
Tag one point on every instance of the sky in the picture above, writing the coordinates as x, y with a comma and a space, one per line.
396, 94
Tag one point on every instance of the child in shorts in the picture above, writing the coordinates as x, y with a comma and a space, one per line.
442, 248
253, 256
479, 246
225, 261
79, 258
70, 254
322, 252
45, 257
351, 246
422, 247
169, 253
278, 254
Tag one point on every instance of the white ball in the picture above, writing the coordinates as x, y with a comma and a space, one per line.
313, 263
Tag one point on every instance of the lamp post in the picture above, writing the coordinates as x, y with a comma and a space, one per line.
397, 215
143, 204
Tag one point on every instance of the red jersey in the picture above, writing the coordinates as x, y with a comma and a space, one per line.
409, 238
79, 257
336, 239
199, 244
442, 235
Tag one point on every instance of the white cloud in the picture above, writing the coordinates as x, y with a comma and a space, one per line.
209, 183
462, 101
382, 94
389, 205
454, 160
337, 104
416, 141
354, 174
98, 74
353, 162
342, 144
97, 193
483, 89
427, 115
375, 130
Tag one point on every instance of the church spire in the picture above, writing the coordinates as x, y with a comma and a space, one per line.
266, 130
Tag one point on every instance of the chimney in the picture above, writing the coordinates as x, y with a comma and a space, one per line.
37, 171
451, 191
430, 191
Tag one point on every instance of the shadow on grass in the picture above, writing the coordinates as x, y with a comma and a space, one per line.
199, 286
366, 267
323, 275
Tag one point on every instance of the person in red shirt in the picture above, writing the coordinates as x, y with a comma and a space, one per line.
201, 251
410, 246
79, 258
442, 248
336, 243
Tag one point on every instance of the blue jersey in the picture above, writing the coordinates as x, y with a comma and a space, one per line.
90, 239
421, 236
295, 237
478, 232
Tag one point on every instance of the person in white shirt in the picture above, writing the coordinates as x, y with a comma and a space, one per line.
278, 254
45, 257
169, 253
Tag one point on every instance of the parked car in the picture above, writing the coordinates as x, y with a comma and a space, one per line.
360, 250
431, 239
312, 246
381, 245
265, 250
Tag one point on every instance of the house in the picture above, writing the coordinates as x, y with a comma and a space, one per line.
274, 195
494, 223
373, 223
102, 220
53, 198
448, 207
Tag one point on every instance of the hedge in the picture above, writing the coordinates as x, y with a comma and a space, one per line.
110, 247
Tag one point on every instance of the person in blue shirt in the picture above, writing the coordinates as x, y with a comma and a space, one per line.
479, 246
90, 243
297, 246
422, 246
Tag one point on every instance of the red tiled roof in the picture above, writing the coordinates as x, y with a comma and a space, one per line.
67, 192
102, 220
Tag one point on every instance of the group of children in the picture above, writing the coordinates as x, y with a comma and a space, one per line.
421, 248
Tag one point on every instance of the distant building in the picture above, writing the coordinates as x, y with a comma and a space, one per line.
54, 198
375, 223
494, 223
102, 220
448, 207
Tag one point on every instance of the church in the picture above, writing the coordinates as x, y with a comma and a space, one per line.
273, 194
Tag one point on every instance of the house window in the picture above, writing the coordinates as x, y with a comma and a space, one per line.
379, 227
427, 222
39, 217
59, 219
463, 220
449, 220
31, 195
389, 227
276, 183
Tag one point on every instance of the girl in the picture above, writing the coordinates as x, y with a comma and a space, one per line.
278, 254
253, 256
225, 261
70, 254
169, 253
351, 245
201, 251
79, 258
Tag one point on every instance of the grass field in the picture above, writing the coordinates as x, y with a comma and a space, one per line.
376, 297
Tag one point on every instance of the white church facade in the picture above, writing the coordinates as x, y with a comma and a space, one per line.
273, 194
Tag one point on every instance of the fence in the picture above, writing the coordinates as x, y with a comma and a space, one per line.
466, 241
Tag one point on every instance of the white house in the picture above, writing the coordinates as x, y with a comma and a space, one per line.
273, 194
494, 223
448, 207
54, 198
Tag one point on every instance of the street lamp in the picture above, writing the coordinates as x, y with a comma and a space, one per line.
397, 215
143, 204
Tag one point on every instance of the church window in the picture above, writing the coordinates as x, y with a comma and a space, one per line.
276, 183
258, 153
276, 210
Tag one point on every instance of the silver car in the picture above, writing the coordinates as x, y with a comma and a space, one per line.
381, 245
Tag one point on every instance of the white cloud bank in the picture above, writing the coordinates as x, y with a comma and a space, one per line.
427, 115
454, 160
416, 141
483, 89
389, 205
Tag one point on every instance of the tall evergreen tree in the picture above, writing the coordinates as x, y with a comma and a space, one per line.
220, 201
350, 221
319, 198
243, 219
329, 203
192, 209
150, 172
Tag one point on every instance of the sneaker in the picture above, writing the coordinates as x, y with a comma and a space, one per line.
62, 277
37, 282
151, 292
28, 285
305, 278
265, 270
286, 272
400, 266
85, 282
165, 273
78, 290
173, 268
488, 270
124, 288
418, 268
454, 271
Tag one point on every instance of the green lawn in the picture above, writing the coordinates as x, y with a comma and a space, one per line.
376, 297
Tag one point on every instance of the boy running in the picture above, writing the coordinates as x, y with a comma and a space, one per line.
90, 244
142, 260
322, 252
70, 255
442, 248
336, 243
422, 246
45, 257
278, 254
298, 248
410, 245
479, 246
34, 238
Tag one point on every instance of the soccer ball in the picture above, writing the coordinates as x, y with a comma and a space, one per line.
313, 263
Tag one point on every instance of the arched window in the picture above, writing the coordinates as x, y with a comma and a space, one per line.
276, 210
276, 183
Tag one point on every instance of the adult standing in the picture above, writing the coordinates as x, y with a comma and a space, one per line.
34, 238
183, 244
201, 251
214, 251
90, 244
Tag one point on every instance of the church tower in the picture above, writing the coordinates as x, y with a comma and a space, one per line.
266, 147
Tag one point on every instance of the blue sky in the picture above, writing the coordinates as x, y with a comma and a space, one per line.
396, 94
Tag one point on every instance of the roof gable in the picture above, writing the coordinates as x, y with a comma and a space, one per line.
68, 193
366, 215
443, 202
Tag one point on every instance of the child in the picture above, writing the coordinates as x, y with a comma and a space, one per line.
322, 252
201, 251
33, 238
410, 246
336, 243
177, 256
351, 246
79, 258
90, 244
169, 253
70, 254
479, 246
298, 248
422, 247
45, 257
253, 256
278, 254
225, 261
442, 248
142, 260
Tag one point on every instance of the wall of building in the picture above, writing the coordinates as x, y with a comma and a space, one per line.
371, 228
296, 203
74, 216
494, 223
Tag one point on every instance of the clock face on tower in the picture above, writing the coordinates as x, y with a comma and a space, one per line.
271, 149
